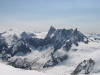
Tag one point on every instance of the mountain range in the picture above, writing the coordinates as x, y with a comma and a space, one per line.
69, 49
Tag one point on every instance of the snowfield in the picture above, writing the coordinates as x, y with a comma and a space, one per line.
8, 70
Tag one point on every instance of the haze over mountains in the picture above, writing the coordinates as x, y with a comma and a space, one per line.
67, 50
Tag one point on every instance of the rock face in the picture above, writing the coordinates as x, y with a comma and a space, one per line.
25, 35
54, 61
3, 44
20, 63
51, 31
19, 46
84, 67
36, 42
68, 37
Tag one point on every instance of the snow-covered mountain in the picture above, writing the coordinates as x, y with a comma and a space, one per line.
66, 50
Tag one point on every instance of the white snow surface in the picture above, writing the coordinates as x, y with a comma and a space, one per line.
8, 70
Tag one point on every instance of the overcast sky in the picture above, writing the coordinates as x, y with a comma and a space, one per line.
39, 15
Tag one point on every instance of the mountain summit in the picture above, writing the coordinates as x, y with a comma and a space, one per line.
51, 32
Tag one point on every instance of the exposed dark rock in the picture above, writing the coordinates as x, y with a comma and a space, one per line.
54, 61
68, 45
19, 46
77, 36
58, 44
60, 36
20, 63
36, 42
5, 57
85, 67
51, 31
3, 44
25, 35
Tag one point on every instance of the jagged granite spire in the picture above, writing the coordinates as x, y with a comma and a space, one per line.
75, 31
52, 28
51, 31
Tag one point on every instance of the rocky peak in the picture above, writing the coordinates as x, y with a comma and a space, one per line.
26, 35
84, 67
51, 31
52, 28
75, 31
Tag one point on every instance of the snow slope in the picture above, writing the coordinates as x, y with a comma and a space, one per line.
8, 70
